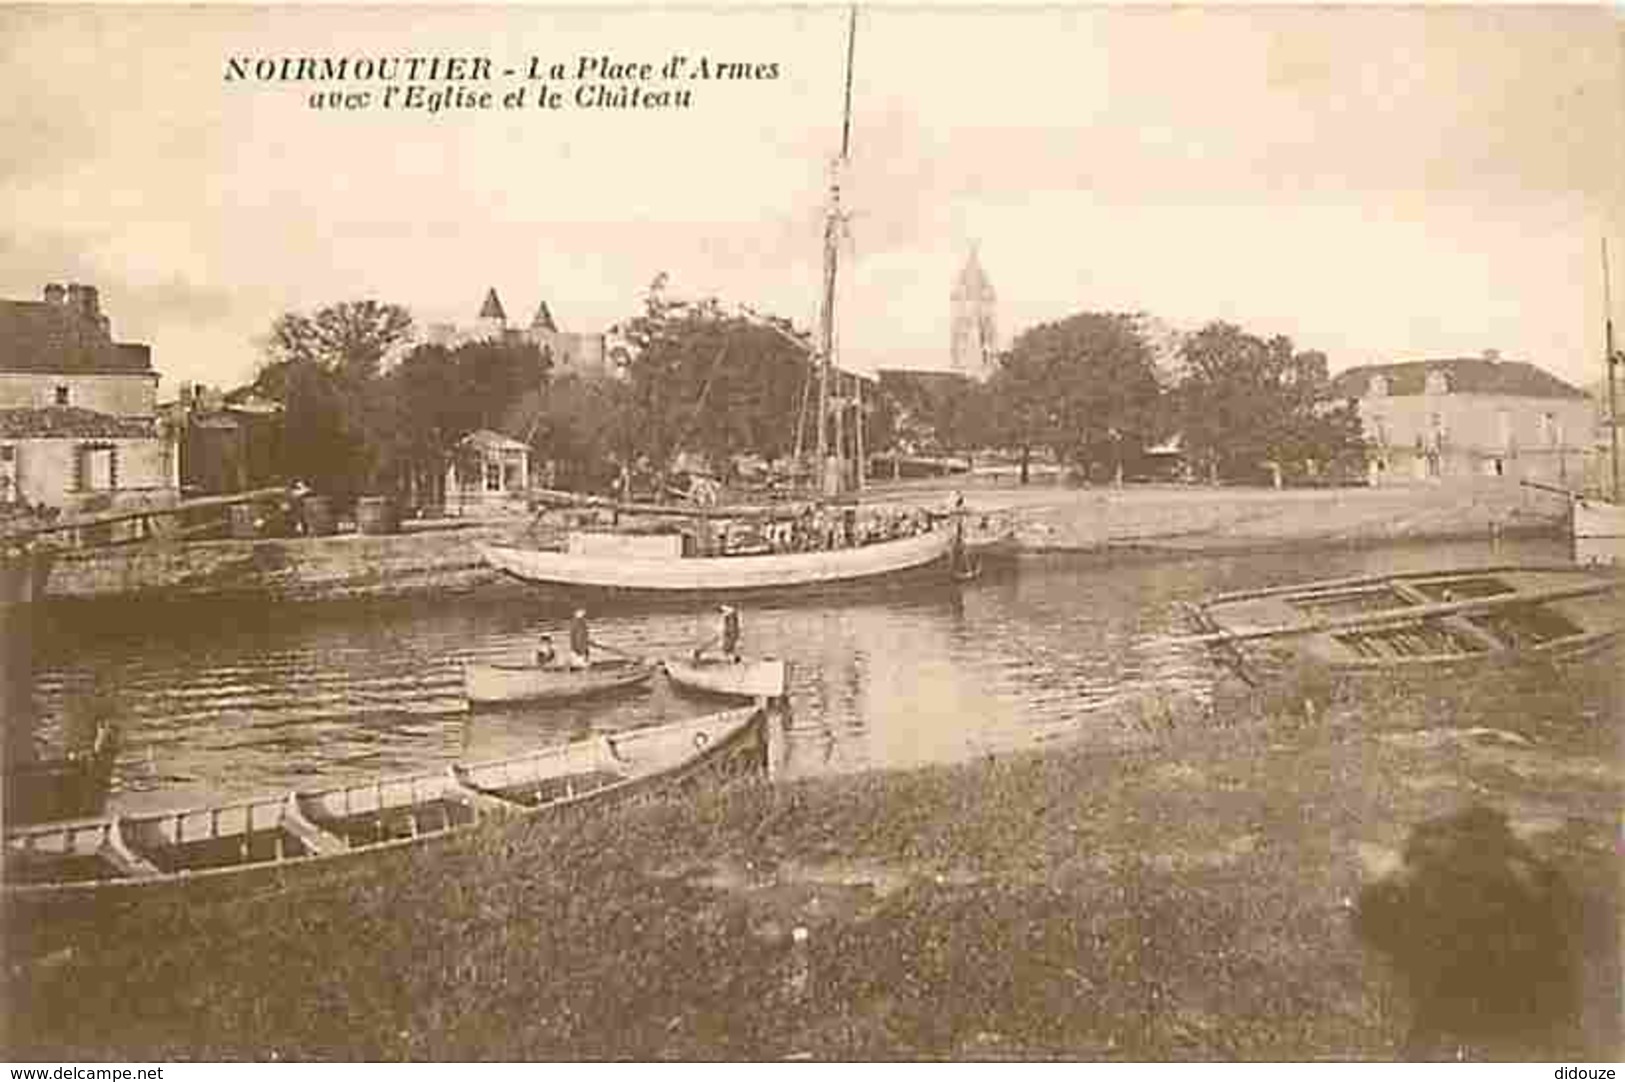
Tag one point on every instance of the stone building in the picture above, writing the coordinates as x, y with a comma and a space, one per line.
78, 410
1470, 416
973, 331
573, 353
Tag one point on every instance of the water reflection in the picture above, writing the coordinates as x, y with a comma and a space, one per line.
229, 701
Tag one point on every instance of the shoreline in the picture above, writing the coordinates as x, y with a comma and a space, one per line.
435, 559
1186, 896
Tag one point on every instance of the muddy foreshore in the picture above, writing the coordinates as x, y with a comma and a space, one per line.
441, 558
1186, 897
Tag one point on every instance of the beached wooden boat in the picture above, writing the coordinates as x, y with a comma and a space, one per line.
499, 683
1421, 621
69, 787
677, 575
279, 835
748, 679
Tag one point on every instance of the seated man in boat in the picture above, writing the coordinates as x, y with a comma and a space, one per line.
580, 642
545, 655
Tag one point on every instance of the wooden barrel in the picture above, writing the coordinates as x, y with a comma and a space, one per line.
244, 520
317, 512
377, 515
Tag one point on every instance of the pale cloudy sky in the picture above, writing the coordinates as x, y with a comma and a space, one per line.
1377, 183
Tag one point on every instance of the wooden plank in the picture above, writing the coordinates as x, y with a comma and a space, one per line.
317, 840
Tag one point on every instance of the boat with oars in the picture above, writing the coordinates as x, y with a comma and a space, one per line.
509, 682
280, 835
1422, 621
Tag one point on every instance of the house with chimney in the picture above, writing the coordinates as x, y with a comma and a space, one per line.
1430, 420
78, 410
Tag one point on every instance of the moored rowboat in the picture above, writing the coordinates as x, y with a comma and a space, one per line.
283, 833
550, 683
713, 575
762, 678
1417, 620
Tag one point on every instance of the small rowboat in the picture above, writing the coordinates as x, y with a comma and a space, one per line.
295, 830
550, 683
764, 678
1415, 621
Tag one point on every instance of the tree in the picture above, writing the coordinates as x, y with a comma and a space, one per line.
582, 426
701, 379
1085, 386
439, 395
349, 339
1251, 407
324, 369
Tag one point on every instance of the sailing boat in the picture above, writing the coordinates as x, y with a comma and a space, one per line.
1599, 526
831, 552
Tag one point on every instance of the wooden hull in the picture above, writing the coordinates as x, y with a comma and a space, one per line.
724, 574
1431, 622
765, 678
280, 835
1599, 533
529, 683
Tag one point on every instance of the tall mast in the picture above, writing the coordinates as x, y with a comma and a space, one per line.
1612, 362
832, 239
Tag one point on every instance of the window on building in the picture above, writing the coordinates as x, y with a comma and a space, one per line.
61, 394
493, 477
96, 468
1550, 432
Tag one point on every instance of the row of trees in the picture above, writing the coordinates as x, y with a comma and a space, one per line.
1096, 392
366, 413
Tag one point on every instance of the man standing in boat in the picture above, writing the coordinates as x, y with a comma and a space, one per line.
729, 637
580, 656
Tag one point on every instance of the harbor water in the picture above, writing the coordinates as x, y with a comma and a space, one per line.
218, 701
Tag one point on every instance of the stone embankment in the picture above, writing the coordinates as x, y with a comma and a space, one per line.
1179, 518
414, 563
443, 558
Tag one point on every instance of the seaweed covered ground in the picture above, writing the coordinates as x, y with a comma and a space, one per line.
1188, 898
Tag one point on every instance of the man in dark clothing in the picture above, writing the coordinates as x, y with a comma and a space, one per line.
580, 641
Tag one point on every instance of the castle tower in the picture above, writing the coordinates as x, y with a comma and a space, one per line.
493, 321
973, 340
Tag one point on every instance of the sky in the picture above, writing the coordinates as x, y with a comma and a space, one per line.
1378, 183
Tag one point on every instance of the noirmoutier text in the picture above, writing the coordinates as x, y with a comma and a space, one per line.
442, 83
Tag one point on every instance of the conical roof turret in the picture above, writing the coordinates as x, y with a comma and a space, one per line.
492, 308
